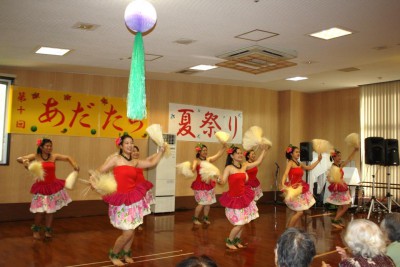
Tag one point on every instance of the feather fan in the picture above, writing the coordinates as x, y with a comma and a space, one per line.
222, 137
353, 140
266, 142
185, 169
208, 171
104, 183
70, 180
335, 175
252, 137
155, 133
290, 193
36, 170
321, 146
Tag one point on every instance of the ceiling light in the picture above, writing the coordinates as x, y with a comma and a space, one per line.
330, 33
295, 79
203, 67
52, 51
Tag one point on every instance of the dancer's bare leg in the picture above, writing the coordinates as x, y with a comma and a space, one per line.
127, 249
37, 222
206, 212
234, 232
295, 218
197, 211
121, 241
49, 222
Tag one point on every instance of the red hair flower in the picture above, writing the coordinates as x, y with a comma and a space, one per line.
198, 147
289, 149
229, 150
118, 141
39, 142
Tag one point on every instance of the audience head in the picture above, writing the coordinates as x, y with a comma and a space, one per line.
364, 238
391, 226
295, 248
194, 261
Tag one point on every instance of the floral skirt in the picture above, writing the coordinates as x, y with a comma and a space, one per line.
204, 197
49, 203
242, 216
301, 202
339, 198
128, 217
149, 198
258, 193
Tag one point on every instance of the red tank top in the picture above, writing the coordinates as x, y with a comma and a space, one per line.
125, 176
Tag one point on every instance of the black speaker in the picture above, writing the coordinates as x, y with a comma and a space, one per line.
375, 151
392, 152
306, 151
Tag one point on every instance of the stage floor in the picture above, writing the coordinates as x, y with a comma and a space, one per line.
166, 239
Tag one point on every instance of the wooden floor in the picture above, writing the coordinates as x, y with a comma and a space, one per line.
166, 239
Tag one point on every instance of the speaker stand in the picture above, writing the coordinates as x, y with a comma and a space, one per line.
388, 194
373, 199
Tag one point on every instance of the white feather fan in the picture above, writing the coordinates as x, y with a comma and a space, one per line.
252, 137
208, 171
36, 170
335, 175
321, 146
185, 169
266, 142
353, 140
155, 133
222, 137
70, 180
104, 183
290, 193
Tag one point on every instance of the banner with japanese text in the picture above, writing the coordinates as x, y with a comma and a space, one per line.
196, 123
48, 112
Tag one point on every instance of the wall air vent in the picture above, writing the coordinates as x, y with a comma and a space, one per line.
256, 60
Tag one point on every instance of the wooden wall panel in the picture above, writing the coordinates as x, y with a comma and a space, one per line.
284, 116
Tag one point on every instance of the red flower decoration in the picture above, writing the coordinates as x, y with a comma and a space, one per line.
289, 149
39, 142
229, 151
118, 141
198, 149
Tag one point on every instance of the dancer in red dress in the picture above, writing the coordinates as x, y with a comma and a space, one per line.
49, 194
252, 173
203, 192
127, 205
304, 199
340, 194
240, 207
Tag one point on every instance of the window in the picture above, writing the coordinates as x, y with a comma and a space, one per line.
4, 119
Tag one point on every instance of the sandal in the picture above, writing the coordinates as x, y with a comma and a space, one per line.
48, 232
230, 244
115, 258
206, 220
196, 220
36, 231
127, 256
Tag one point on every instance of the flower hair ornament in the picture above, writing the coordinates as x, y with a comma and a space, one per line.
289, 149
199, 147
118, 140
245, 153
230, 150
39, 142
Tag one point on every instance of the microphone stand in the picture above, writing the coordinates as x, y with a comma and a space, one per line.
276, 182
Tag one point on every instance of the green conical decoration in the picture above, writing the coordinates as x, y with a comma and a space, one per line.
136, 104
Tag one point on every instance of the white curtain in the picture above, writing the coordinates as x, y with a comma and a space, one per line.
379, 117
